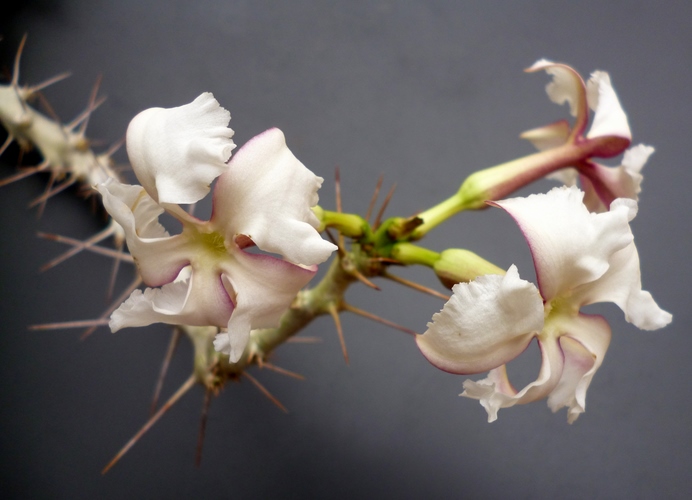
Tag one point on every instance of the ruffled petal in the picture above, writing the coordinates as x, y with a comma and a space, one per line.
609, 118
176, 153
159, 257
622, 283
263, 288
201, 300
485, 324
569, 245
495, 391
267, 195
584, 346
566, 85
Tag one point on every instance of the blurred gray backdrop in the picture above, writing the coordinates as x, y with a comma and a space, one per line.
425, 93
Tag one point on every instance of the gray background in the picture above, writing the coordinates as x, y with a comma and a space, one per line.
424, 92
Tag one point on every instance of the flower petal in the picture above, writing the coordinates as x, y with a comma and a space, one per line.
267, 195
584, 346
569, 245
609, 118
200, 301
176, 153
618, 182
566, 85
622, 282
486, 323
263, 288
495, 391
549, 136
159, 257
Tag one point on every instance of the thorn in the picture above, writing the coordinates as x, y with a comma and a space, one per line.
18, 57
171, 401
26, 172
334, 313
264, 391
175, 337
89, 242
94, 248
70, 324
116, 267
49, 82
92, 104
378, 219
202, 427
303, 340
8, 141
361, 277
282, 371
116, 146
416, 286
83, 117
373, 200
339, 248
43, 199
365, 314
50, 112
116, 303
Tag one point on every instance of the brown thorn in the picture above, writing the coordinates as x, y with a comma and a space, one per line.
94, 248
50, 111
89, 242
92, 104
303, 340
154, 418
365, 314
337, 189
7, 143
18, 57
116, 267
334, 313
70, 324
116, 146
373, 200
361, 277
83, 117
116, 303
416, 286
339, 243
378, 219
202, 426
282, 371
264, 391
49, 186
175, 338
26, 172
43, 199
49, 82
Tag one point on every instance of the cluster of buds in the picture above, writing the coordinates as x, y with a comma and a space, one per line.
235, 283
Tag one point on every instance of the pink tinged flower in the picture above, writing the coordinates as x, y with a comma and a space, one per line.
609, 130
205, 275
581, 258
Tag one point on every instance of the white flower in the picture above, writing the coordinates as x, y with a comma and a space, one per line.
204, 276
609, 128
581, 258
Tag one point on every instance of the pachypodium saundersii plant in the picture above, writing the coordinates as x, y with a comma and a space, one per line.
235, 284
